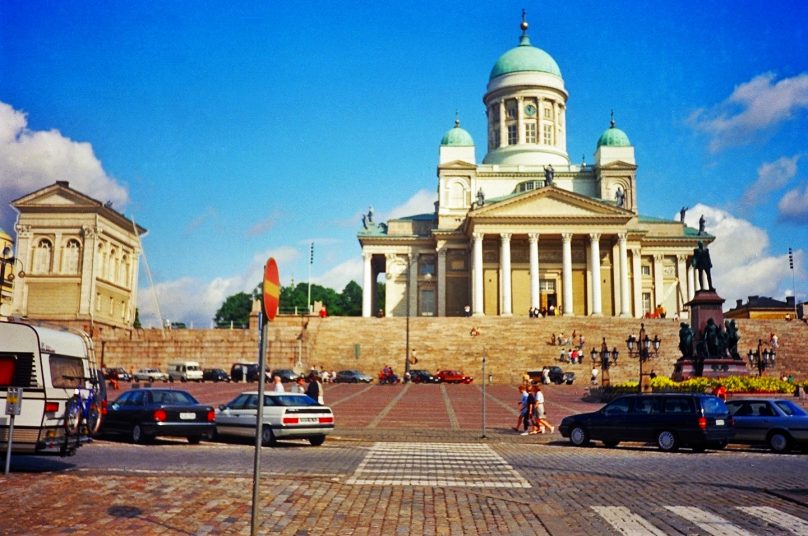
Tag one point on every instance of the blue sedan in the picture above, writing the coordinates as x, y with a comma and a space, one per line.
780, 424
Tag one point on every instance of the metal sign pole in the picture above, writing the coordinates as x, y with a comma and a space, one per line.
13, 408
483, 436
8, 452
259, 425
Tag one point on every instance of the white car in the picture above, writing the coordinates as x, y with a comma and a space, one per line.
286, 416
151, 375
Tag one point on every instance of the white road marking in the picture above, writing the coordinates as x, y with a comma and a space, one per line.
436, 464
627, 522
710, 523
784, 520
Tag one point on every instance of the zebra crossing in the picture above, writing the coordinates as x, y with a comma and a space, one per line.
628, 523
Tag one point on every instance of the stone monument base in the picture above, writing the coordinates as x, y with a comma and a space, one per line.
684, 369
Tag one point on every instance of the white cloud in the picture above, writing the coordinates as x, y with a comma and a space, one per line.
30, 160
753, 106
342, 274
770, 176
422, 202
194, 301
742, 264
793, 206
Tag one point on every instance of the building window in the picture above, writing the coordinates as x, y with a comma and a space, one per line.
426, 265
111, 306
456, 261
43, 256
530, 132
513, 135
510, 109
426, 302
645, 269
646, 302
548, 134
548, 114
72, 255
495, 113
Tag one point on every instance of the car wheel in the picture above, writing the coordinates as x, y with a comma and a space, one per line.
579, 436
194, 440
779, 442
268, 437
138, 436
610, 444
667, 441
316, 441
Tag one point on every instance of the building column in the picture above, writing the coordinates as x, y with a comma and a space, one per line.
533, 238
681, 277
622, 240
477, 297
636, 271
659, 290
412, 283
691, 282
566, 272
597, 300
505, 270
441, 282
367, 284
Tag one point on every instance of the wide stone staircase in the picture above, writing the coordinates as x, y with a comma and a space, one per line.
513, 345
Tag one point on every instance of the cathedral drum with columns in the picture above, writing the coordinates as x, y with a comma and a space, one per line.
526, 229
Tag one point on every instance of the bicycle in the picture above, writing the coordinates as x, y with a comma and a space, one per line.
83, 408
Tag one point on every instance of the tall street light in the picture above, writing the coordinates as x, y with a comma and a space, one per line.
6, 258
642, 347
762, 358
605, 359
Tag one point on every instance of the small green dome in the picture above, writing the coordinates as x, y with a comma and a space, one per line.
613, 137
525, 57
457, 136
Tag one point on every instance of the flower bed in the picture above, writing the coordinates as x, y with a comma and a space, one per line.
733, 384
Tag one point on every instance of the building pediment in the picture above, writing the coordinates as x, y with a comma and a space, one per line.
457, 165
549, 203
55, 195
618, 164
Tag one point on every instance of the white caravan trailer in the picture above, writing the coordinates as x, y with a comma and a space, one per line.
50, 364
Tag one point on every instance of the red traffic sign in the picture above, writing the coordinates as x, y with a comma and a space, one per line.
271, 289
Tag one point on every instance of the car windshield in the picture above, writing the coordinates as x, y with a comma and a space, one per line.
790, 408
289, 400
714, 406
172, 397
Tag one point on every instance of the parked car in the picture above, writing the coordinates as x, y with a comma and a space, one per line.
557, 375
286, 416
184, 371
670, 420
352, 376
286, 375
238, 371
143, 414
151, 375
215, 375
453, 376
780, 424
422, 376
118, 373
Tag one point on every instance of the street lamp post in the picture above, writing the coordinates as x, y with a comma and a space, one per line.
6, 258
605, 359
762, 358
643, 348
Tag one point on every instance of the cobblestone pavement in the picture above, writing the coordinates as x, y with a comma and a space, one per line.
409, 460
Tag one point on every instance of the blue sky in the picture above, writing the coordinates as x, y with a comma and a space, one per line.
234, 131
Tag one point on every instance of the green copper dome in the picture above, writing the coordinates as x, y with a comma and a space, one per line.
457, 136
525, 57
613, 137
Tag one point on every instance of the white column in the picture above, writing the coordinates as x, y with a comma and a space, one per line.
412, 275
533, 238
597, 301
441, 282
505, 270
691, 282
681, 275
622, 240
659, 290
636, 271
477, 298
566, 272
367, 285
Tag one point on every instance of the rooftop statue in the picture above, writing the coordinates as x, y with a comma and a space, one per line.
620, 197
702, 222
480, 198
549, 175
682, 213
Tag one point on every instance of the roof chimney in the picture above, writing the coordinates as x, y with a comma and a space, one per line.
790, 300
738, 303
66, 184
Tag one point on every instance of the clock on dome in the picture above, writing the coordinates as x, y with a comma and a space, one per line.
530, 110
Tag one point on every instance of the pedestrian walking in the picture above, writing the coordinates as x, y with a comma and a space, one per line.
540, 421
522, 421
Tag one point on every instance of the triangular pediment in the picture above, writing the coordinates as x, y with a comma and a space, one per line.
56, 195
551, 203
618, 164
457, 164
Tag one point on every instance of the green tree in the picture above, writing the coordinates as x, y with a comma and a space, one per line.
235, 309
351, 299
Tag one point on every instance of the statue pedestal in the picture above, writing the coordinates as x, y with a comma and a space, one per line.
684, 369
706, 304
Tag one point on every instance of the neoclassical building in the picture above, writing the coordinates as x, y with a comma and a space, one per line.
78, 260
526, 228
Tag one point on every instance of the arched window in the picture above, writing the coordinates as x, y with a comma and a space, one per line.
43, 256
112, 266
72, 256
457, 195
123, 275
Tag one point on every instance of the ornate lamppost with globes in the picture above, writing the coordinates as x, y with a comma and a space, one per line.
762, 358
643, 348
7, 258
605, 359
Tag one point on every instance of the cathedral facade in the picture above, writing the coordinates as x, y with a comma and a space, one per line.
526, 229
